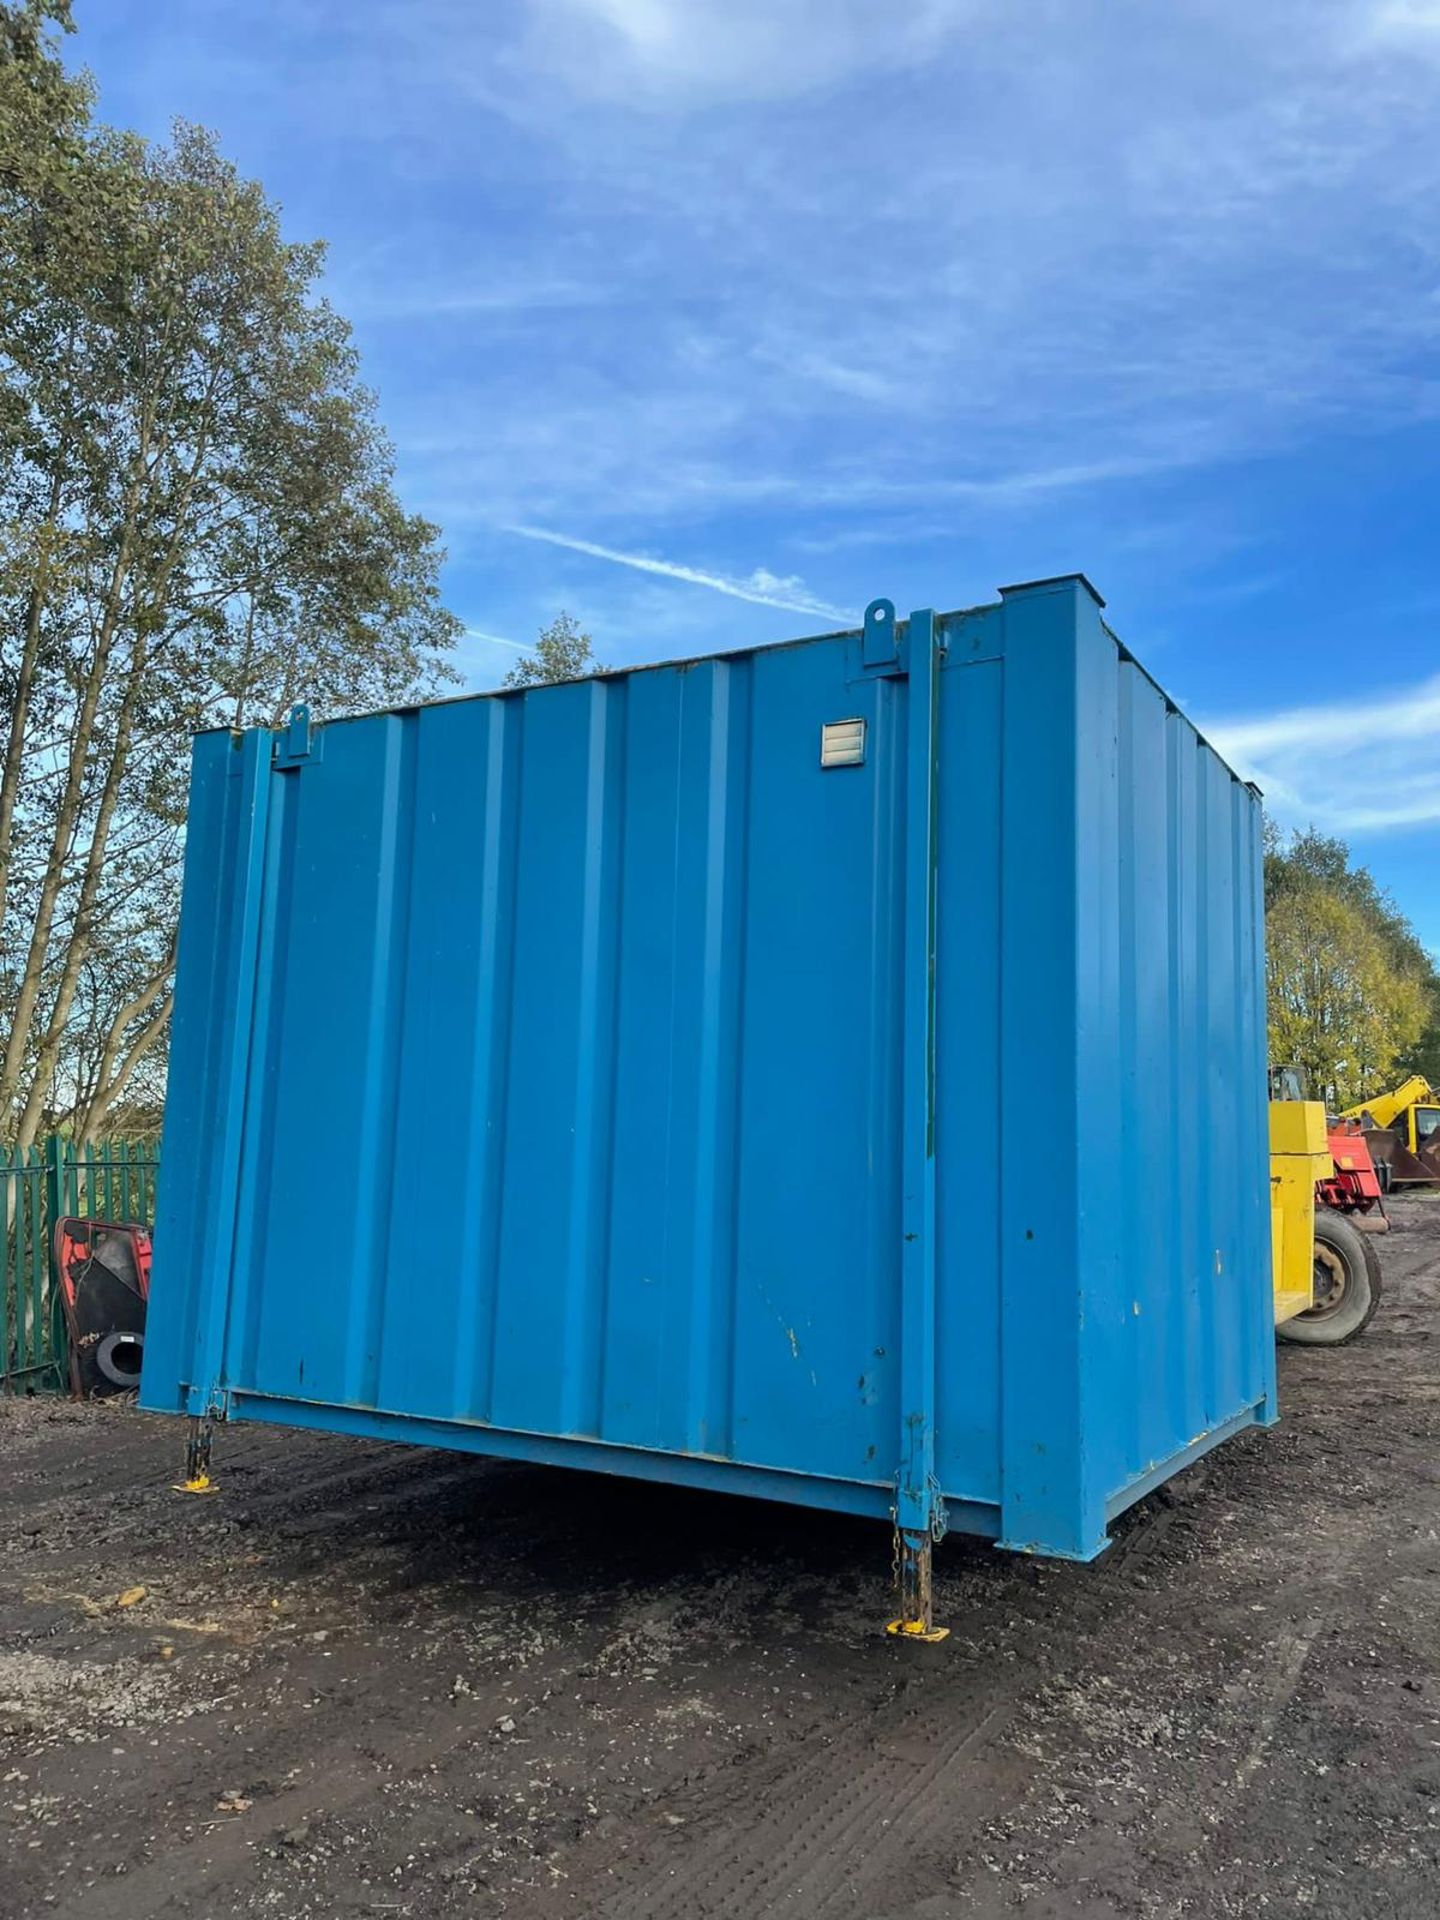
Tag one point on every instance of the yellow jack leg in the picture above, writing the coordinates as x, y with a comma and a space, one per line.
912, 1576
197, 1460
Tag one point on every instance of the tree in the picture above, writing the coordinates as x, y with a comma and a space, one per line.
42, 108
562, 652
1312, 857
1351, 988
197, 526
1338, 1007
1424, 1056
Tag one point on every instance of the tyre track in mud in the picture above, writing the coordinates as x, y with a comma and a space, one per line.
907, 1779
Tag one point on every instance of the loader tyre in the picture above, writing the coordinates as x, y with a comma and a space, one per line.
1347, 1285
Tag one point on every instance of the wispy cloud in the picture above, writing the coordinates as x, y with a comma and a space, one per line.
761, 587
1349, 767
496, 640
504, 298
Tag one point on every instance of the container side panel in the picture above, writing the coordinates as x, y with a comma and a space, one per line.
1195, 1038
717, 1139
1108, 1297
378, 1143
1156, 1392
601, 934
1248, 825
1187, 1357
1219, 1065
209, 1066
665, 1325
572, 1101
1043, 1492
1173, 1259
815, 1314
425, 1205
551, 1279
258, 1185
878, 1034
634, 1353
433, 1275
710, 813
493, 990
968, 1134
340, 960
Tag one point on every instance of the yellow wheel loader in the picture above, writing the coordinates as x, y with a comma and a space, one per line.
1326, 1272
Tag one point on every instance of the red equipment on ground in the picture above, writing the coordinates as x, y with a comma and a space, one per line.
1353, 1186
103, 1267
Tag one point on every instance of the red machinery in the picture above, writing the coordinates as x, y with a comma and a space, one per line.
1353, 1186
103, 1267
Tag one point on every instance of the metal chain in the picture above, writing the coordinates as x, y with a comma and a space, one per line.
939, 1517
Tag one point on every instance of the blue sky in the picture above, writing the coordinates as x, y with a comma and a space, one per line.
710, 320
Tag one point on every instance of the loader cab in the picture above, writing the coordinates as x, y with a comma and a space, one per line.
1288, 1083
1424, 1126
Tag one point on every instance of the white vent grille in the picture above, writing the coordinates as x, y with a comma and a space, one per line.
842, 743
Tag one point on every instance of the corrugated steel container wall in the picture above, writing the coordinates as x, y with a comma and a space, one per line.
590, 1075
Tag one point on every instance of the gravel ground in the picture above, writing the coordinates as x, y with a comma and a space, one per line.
370, 1679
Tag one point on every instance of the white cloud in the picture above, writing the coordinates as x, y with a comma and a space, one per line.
679, 52
1406, 20
1347, 767
762, 588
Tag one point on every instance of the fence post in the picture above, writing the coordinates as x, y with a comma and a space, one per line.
54, 1183
55, 1349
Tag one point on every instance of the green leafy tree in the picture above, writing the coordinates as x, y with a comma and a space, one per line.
198, 525
1424, 1056
563, 652
1351, 988
1317, 858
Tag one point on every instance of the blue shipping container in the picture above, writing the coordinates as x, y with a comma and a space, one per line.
833, 1072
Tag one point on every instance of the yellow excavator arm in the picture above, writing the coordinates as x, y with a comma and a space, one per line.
1386, 1108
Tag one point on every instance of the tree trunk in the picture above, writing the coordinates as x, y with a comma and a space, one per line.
78, 947
108, 1089
28, 997
24, 682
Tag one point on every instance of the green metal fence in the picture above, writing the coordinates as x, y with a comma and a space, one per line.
112, 1180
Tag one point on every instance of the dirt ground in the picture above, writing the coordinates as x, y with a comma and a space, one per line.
376, 1680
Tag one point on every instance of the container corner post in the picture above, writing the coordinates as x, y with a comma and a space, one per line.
919, 1510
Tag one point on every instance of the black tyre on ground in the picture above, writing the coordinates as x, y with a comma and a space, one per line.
118, 1358
1347, 1285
